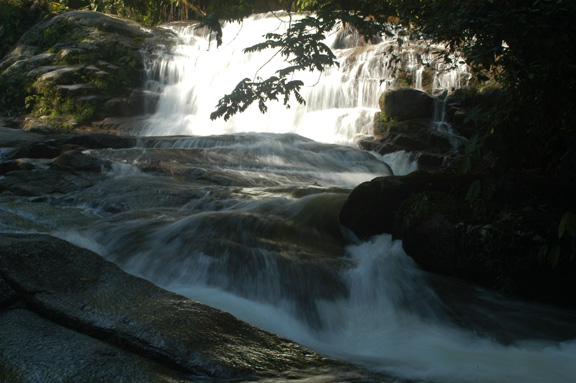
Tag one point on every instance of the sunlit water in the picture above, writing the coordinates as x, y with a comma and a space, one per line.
243, 216
340, 102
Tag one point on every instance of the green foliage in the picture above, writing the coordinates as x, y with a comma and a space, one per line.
473, 151
147, 12
567, 225
302, 48
530, 48
418, 206
566, 243
16, 17
246, 92
230, 10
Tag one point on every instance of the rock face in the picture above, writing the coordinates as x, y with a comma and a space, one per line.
373, 207
75, 68
89, 321
505, 245
407, 104
28, 169
410, 120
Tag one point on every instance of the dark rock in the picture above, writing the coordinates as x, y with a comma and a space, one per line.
7, 293
108, 24
89, 59
14, 137
32, 62
42, 181
107, 66
75, 160
59, 144
101, 141
407, 104
372, 206
122, 125
433, 142
76, 288
19, 164
34, 125
409, 143
125, 106
64, 75
44, 149
36, 349
502, 254
42, 70
503, 244
435, 160
76, 89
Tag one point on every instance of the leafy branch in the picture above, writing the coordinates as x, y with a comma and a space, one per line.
302, 48
247, 92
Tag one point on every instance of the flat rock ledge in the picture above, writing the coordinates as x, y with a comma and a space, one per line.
67, 314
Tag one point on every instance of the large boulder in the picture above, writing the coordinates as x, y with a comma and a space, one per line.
89, 321
509, 244
407, 104
81, 65
372, 207
411, 120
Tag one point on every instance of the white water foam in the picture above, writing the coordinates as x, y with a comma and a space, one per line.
373, 328
340, 102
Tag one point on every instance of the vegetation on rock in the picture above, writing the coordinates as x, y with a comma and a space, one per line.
73, 68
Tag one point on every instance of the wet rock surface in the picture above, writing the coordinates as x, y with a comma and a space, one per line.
71, 298
416, 122
89, 320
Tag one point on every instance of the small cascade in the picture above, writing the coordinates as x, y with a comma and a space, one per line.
440, 125
194, 74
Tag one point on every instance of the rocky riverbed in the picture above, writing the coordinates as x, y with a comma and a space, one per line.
70, 105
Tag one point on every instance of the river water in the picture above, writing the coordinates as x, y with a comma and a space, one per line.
243, 215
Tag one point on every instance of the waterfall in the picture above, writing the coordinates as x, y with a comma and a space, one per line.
341, 102
243, 215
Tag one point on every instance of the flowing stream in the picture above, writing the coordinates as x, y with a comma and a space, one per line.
243, 215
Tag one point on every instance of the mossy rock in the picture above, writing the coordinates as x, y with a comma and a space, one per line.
75, 49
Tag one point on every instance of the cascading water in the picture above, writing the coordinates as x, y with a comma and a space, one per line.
244, 217
340, 102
